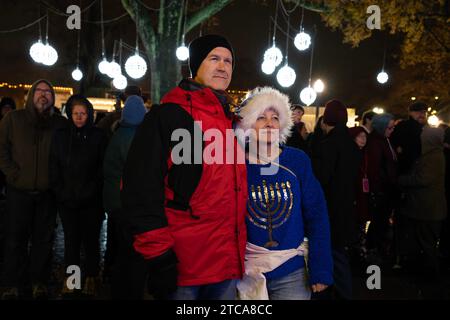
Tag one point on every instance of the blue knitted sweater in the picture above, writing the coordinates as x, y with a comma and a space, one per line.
292, 202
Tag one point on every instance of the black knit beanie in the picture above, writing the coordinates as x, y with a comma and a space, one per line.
200, 48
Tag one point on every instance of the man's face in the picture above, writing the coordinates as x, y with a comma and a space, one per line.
419, 116
297, 115
43, 97
216, 69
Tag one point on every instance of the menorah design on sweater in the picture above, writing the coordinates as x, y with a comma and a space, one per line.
270, 207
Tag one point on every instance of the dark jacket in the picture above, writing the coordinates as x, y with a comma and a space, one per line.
196, 210
336, 162
25, 138
296, 140
406, 136
76, 161
425, 185
115, 158
382, 164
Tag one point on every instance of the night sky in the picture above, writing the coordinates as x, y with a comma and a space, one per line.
349, 73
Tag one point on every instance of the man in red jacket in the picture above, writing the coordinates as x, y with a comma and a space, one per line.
188, 218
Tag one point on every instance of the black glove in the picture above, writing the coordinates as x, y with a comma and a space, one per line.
162, 276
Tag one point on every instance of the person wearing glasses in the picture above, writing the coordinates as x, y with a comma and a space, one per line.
25, 137
76, 180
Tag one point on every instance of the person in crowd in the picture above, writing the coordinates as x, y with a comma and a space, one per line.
382, 175
299, 137
76, 179
315, 137
406, 137
336, 162
283, 207
186, 212
425, 208
367, 121
110, 121
362, 187
7, 104
129, 268
25, 138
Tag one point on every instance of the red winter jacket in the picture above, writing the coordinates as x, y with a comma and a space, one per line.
198, 210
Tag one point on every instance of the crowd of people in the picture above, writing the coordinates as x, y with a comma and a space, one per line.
273, 212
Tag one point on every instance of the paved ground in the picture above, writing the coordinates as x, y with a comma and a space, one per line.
394, 285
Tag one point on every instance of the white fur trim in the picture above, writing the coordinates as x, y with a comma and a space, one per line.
260, 99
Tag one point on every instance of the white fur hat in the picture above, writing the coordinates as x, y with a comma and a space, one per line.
260, 99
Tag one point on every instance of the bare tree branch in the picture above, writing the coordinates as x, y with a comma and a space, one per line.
148, 36
205, 13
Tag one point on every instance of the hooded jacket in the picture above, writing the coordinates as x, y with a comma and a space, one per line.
196, 210
425, 185
76, 159
25, 138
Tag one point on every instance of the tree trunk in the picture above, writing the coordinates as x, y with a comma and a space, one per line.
166, 71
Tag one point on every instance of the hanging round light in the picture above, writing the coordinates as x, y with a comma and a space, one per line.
114, 70
382, 77
274, 55
302, 41
433, 121
182, 53
120, 82
136, 66
319, 86
286, 76
268, 67
77, 75
378, 110
49, 55
103, 66
308, 95
37, 50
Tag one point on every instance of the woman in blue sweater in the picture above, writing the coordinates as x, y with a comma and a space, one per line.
287, 217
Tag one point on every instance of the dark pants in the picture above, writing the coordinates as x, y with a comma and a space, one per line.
342, 274
129, 268
30, 216
111, 246
418, 241
82, 227
377, 235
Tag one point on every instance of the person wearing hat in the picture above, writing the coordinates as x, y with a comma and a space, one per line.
406, 137
109, 122
382, 175
336, 163
275, 266
126, 266
186, 214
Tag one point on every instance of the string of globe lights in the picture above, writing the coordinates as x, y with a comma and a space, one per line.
182, 52
135, 65
273, 56
43, 53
